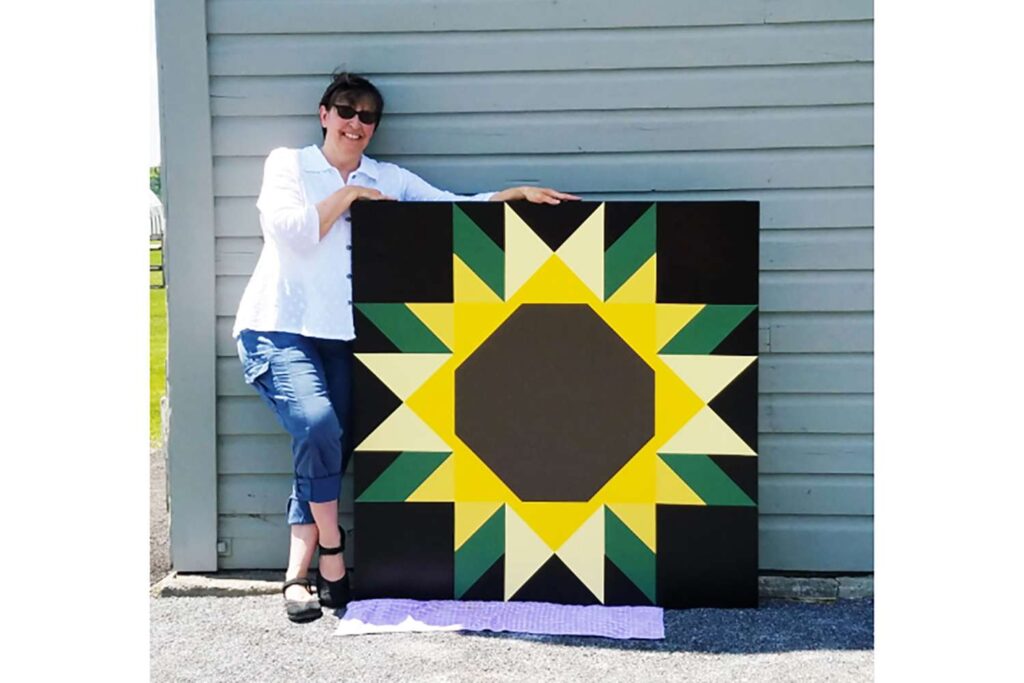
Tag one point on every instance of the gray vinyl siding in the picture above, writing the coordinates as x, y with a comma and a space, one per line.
751, 99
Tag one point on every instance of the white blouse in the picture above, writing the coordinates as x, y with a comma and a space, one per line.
303, 284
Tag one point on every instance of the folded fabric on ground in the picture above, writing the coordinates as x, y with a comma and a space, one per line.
542, 618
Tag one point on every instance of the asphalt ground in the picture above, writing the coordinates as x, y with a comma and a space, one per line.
249, 639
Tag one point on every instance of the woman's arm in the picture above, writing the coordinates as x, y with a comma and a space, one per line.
285, 216
330, 209
537, 195
418, 189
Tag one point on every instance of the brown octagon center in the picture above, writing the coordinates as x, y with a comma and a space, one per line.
555, 402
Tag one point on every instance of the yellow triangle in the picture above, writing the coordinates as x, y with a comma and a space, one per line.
707, 434
708, 375
670, 319
469, 287
640, 287
554, 283
633, 483
672, 489
554, 522
583, 553
439, 487
524, 252
403, 430
434, 401
524, 552
634, 323
640, 518
403, 373
583, 252
475, 322
439, 319
469, 517
671, 391
474, 481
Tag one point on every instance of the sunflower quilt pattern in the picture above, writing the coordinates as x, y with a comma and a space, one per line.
556, 403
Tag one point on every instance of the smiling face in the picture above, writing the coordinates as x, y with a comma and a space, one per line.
348, 136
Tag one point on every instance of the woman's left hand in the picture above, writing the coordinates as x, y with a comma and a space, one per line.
537, 195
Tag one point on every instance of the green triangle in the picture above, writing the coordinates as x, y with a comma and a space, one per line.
402, 477
629, 252
403, 328
479, 552
478, 251
707, 329
707, 479
630, 554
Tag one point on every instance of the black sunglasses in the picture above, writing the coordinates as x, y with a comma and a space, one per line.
346, 112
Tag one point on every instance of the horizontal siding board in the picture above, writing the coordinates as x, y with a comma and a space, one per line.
542, 50
777, 373
815, 494
806, 373
817, 291
819, 332
780, 209
779, 454
815, 413
781, 250
781, 11
813, 332
780, 291
777, 414
821, 249
649, 171
760, 86
816, 543
810, 543
816, 454
569, 132
318, 16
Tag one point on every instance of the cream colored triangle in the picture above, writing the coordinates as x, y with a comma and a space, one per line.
670, 318
439, 319
583, 252
525, 552
469, 517
403, 430
707, 375
403, 373
670, 489
583, 553
525, 252
468, 287
640, 518
706, 434
439, 487
640, 288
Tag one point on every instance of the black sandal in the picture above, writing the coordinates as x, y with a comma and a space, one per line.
333, 594
301, 611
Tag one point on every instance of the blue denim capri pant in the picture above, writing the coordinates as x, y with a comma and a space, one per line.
307, 382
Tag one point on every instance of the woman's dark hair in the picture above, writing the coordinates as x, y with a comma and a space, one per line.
351, 87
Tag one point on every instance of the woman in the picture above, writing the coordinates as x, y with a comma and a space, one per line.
294, 324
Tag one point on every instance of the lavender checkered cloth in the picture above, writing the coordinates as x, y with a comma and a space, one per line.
388, 615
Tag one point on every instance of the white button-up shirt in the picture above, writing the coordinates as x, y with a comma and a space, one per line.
303, 284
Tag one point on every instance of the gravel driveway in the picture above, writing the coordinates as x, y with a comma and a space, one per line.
249, 639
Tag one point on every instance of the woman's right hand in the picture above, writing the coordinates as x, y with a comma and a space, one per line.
359, 192
330, 209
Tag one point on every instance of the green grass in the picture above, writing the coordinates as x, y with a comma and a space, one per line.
157, 348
